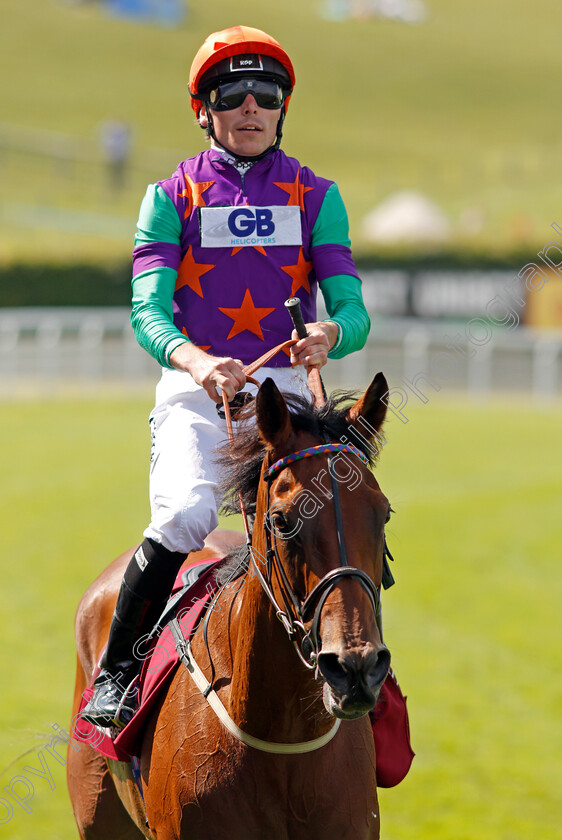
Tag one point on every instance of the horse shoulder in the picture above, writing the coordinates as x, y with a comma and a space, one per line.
184, 745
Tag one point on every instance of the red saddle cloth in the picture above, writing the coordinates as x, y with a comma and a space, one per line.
389, 718
158, 668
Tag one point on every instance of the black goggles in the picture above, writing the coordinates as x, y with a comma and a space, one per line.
229, 95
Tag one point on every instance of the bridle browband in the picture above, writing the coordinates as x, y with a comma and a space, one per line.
308, 452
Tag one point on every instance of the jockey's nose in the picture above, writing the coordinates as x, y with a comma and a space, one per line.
356, 676
249, 104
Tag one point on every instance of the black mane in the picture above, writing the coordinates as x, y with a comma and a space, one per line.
241, 461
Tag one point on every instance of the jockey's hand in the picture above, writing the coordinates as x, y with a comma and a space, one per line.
313, 350
211, 372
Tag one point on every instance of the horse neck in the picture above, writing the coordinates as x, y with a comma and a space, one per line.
274, 697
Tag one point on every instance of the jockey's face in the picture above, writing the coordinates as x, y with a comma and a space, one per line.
247, 130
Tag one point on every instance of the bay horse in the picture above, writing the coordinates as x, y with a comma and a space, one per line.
292, 651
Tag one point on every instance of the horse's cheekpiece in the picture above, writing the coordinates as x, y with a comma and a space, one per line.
239, 401
294, 614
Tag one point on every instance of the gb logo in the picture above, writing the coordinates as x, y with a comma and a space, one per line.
245, 221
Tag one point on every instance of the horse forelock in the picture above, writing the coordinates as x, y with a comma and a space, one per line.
241, 460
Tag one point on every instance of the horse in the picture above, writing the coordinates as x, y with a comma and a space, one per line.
293, 653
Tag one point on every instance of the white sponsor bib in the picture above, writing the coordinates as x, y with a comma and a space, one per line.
240, 227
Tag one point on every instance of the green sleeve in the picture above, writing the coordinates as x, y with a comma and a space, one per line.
153, 291
151, 316
344, 303
342, 292
332, 225
158, 219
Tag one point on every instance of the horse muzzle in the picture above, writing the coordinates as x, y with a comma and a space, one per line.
353, 680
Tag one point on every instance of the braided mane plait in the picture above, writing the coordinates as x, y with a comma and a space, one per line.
241, 461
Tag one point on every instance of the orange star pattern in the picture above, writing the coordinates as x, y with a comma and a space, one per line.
246, 317
201, 347
189, 273
299, 273
193, 193
295, 189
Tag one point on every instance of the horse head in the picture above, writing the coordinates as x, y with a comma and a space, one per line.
324, 515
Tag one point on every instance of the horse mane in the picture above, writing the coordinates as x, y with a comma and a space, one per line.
241, 460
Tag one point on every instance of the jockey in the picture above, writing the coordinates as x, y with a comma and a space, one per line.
220, 246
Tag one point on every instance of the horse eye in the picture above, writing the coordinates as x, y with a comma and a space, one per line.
388, 514
279, 522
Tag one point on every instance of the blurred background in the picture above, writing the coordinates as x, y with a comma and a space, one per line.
439, 120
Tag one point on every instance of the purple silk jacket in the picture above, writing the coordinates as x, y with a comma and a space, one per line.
246, 246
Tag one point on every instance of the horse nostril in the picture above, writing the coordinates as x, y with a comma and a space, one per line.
355, 672
333, 671
377, 673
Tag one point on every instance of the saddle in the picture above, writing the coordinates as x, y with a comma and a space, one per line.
191, 596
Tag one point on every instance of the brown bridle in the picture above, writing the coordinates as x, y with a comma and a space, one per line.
294, 614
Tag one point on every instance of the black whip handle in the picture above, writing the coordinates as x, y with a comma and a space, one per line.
294, 306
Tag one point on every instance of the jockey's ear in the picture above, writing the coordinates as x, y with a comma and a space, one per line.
274, 421
369, 411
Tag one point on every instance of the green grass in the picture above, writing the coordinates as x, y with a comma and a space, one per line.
462, 107
471, 622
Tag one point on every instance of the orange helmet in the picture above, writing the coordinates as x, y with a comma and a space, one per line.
217, 60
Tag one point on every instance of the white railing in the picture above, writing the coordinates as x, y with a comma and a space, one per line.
425, 357
51, 348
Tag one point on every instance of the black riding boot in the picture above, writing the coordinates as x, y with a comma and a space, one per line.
145, 589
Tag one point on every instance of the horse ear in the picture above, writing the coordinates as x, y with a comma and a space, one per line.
370, 410
272, 414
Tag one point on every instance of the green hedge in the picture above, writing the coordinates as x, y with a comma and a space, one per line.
110, 285
65, 285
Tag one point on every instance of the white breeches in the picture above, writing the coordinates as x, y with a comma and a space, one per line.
186, 431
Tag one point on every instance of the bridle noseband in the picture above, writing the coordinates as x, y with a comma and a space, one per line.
294, 614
